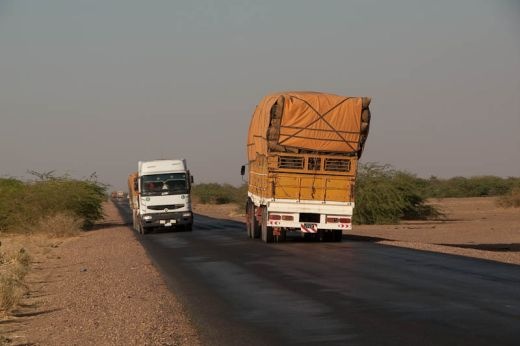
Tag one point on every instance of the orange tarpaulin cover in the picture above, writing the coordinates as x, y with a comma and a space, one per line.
311, 121
132, 192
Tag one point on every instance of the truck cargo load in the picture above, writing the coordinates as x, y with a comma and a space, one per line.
133, 198
303, 149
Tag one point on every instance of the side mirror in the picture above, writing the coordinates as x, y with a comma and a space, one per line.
242, 170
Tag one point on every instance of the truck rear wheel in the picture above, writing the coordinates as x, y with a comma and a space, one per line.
338, 235
267, 232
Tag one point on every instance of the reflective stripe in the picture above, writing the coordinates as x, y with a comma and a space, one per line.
312, 229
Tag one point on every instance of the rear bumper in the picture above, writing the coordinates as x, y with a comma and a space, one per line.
307, 216
167, 219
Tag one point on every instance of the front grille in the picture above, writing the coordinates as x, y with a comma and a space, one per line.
337, 165
167, 206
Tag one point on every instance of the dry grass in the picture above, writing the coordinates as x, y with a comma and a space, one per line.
59, 225
4, 340
15, 261
13, 269
511, 200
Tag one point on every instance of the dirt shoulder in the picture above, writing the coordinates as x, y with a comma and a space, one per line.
97, 289
474, 227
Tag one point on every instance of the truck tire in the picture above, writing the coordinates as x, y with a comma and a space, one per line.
326, 235
267, 232
338, 235
282, 237
188, 227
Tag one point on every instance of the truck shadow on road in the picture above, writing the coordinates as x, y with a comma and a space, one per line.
513, 247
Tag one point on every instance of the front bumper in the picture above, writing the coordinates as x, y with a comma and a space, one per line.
167, 219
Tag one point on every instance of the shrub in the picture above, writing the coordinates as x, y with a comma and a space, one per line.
24, 205
82, 199
10, 190
384, 196
479, 186
13, 270
213, 193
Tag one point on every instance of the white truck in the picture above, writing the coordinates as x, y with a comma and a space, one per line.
160, 195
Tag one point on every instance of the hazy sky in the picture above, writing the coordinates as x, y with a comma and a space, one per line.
95, 86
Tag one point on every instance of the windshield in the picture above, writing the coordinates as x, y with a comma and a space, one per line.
164, 184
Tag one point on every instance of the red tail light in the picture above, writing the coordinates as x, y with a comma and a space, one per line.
337, 219
275, 217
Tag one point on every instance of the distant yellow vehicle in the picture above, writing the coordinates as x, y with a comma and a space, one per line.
303, 150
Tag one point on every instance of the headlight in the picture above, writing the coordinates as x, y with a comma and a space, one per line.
147, 217
186, 214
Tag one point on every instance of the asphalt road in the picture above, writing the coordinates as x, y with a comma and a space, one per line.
243, 292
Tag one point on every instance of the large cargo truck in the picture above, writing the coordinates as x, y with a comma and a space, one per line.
303, 150
159, 195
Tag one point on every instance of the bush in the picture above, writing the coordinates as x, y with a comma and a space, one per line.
24, 205
10, 190
213, 193
479, 186
384, 196
13, 270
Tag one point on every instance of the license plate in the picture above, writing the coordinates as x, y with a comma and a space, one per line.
309, 225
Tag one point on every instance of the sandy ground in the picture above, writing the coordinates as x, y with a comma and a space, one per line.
100, 288
96, 289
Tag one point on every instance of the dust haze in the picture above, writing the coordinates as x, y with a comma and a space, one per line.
96, 86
